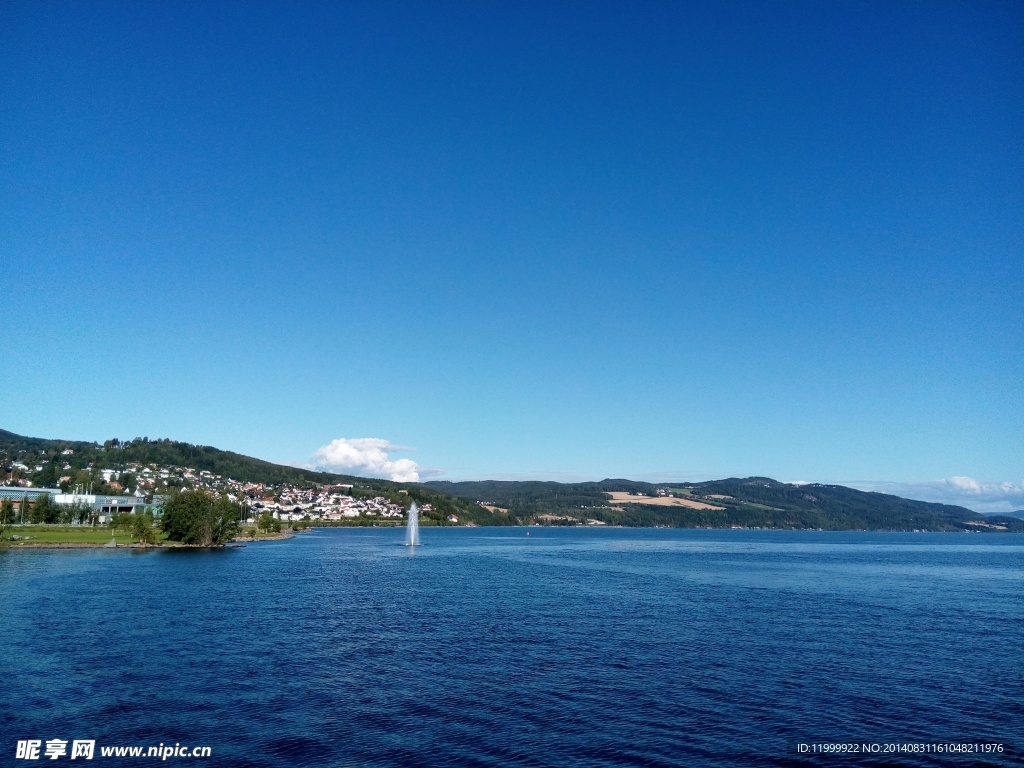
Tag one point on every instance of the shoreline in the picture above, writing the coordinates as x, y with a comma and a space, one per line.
241, 542
14, 545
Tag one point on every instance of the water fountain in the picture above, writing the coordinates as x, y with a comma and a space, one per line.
412, 528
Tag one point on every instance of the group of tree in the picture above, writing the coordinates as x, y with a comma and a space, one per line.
191, 517
44, 511
200, 518
139, 525
267, 523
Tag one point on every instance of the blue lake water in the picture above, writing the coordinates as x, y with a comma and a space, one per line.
488, 647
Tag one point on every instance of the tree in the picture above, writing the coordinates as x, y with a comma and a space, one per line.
142, 528
123, 522
197, 517
6, 515
79, 513
224, 522
35, 512
44, 510
183, 516
47, 477
266, 521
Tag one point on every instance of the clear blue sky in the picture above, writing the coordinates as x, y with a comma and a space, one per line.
526, 239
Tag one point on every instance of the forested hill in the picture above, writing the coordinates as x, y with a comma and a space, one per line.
1017, 513
745, 502
142, 450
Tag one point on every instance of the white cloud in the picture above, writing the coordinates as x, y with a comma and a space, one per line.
366, 455
978, 495
966, 484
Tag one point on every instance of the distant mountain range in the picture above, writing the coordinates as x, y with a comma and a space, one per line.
1019, 514
734, 502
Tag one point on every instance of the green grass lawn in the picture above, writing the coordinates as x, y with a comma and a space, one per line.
86, 534
63, 534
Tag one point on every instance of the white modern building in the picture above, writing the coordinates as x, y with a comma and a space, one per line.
105, 507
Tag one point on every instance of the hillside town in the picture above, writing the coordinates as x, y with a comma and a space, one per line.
110, 491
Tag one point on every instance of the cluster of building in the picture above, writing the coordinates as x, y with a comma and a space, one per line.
102, 508
328, 503
153, 478
285, 502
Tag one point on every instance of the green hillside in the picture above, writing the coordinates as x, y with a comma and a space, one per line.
142, 450
1019, 514
748, 502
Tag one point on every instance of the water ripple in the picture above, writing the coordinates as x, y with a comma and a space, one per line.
570, 648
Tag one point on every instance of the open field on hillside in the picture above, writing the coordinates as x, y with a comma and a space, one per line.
618, 497
493, 508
